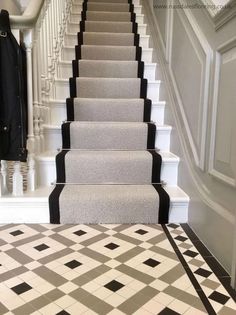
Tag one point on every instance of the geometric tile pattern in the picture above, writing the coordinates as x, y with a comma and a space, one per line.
109, 269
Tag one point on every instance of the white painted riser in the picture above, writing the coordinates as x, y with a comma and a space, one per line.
68, 54
76, 17
65, 70
75, 28
62, 89
53, 138
46, 169
58, 112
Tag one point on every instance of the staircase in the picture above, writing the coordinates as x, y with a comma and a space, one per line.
107, 143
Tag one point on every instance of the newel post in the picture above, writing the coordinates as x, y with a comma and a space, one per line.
31, 180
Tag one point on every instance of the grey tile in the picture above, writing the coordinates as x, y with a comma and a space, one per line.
173, 274
94, 255
91, 275
184, 296
54, 295
25, 309
63, 240
94, 239
3, 309
121, 227
37, 227
19, 256
157, 239
27, 240
128, 239
185, 245
138, 275
164, 252
62, 227
196, 262
99, 228
139, 299
57, 255
40, 302
50, 276
130, 254
7, 226
227, 311
210, 284
2, 242
12, 273
91, 301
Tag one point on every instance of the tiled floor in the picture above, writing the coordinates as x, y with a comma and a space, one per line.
110, 269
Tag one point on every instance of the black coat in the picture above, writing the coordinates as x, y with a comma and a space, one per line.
13, 120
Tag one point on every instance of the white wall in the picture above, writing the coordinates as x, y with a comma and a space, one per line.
11, 6
200, 66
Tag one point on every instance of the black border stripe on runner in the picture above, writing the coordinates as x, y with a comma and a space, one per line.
73, 90
151, 135
60, 166
191, 276
156, 166
143, 88
140, 69
78, 52
75, 68
221, 274
70, 109
65, 130
80, 38
136, 39
83, 15
54, 206
164, 204
138, 55
131, 8
147, 110
133, 17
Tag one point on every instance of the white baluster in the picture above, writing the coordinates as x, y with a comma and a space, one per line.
31, 176
4, 178
17, 180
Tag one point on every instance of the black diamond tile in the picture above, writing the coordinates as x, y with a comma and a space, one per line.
114, 285
181, 238
190, 253
151, 262
63, 313
21, 288
203, 272
41, 247
111, 246
141, 232
80, 232
16, 233
219, 297
73, 264
173, 226
168, 311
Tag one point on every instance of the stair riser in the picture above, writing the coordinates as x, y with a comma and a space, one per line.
62, 90
77, 8
53, 138
68, 54
76, 18
58, 113
47, 172
75, 28
65, 71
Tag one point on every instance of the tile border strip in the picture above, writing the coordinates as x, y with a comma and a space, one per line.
192, 278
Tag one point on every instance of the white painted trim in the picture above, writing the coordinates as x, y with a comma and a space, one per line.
211, 168
200, 189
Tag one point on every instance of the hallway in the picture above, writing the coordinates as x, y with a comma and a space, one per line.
110, 269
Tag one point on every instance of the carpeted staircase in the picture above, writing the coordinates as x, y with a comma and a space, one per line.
108, 170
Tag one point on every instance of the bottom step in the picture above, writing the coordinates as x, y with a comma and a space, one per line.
105, 203
33, 207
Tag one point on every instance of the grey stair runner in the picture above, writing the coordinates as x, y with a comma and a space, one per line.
108, 170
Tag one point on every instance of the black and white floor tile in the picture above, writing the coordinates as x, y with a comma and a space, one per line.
110, 269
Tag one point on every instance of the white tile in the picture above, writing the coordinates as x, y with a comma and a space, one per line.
163, 298
68, 287
76, 309
102, 293
194, 311
50, 309
91, 286
179, 306
115, 300
153, 307
65, 301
